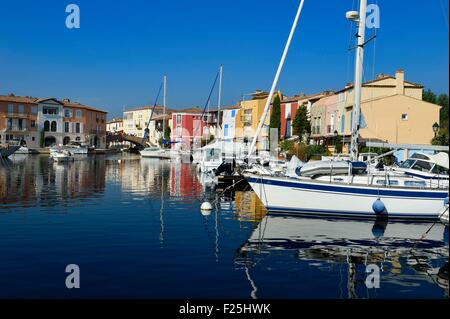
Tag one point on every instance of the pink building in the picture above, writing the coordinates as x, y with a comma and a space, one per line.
187, 128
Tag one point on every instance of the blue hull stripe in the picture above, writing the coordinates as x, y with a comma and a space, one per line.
353, 190
347, 213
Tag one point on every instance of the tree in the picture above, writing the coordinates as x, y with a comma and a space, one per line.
42, 138
442, 100
442, 136
301, 124
275, 116
429, 96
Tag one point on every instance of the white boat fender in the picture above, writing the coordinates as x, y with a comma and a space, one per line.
206, 207
446, 201
378, 206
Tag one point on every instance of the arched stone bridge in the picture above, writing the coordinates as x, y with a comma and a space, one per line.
122, 137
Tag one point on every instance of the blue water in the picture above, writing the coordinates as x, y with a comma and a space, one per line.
135, 230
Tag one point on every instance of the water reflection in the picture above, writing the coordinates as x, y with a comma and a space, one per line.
143, 217
404, 259
37, 181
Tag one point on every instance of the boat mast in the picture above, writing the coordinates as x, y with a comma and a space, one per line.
164, 112
275, 80
218, 102
359, 60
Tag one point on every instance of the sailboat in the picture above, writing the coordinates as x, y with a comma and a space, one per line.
357, 192
157, 151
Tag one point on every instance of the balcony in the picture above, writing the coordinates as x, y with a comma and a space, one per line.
19, 115
15, 129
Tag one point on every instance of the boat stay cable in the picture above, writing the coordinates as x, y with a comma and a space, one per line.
151, 115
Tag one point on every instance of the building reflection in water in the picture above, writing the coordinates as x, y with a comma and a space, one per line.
393, 246
144, 176
37, 181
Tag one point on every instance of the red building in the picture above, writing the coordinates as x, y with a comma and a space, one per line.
289, 107
187, 128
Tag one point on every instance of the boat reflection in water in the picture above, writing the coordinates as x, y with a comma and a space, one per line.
341, 250
39, 182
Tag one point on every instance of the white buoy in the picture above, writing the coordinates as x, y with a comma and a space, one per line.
206, 208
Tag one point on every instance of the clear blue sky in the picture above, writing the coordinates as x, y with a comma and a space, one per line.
123, 48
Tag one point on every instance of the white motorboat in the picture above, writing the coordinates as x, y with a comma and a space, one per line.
432, 168
157, 152
62, 156
23, 150
77, 148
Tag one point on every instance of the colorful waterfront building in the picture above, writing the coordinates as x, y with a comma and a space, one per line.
43, 122
248, 118
289, 107
114, 126
392, 111
188, 128
135, 120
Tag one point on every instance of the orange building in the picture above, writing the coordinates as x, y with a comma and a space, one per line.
46, 122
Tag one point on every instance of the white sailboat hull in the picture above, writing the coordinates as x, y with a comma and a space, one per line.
307, 197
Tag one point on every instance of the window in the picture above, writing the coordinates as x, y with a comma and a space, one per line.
383, 182
437, 169
343, 123
288, 128
77, 128
10, 108
21, 108
415, 183
33, 123
66, 127
78, 113
67, 113
178, 118
53, 126
407, 164
46, 126
10, 124
50, 110
422, 166
225, 130
20, 124
404, 117
32, 138
33, 110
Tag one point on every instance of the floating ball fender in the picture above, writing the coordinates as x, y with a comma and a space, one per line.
446, 201
206, 208
378, 206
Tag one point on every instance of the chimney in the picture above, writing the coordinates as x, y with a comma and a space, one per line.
400, 81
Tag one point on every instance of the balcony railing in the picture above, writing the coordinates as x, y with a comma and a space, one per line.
19, 115
15, 129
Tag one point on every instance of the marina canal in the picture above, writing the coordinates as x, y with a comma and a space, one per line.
135, 229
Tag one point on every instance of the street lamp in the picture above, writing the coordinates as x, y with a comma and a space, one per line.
435, 128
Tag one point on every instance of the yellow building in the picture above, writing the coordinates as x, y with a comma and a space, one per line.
248, 118
135, 120
392, 109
